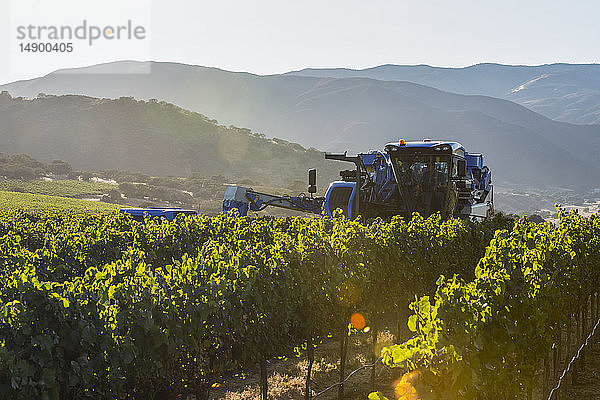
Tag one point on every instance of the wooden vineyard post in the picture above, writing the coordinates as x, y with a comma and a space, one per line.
310, 354
574, 375
373, 355
546, 378
343, 350
263, 379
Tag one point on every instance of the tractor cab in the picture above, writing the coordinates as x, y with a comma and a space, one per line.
439, 176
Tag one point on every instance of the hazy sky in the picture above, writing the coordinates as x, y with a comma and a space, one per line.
272, 36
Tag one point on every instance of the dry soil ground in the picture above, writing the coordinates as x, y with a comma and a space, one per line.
287, 377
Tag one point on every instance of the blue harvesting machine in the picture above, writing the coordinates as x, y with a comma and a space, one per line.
427, 176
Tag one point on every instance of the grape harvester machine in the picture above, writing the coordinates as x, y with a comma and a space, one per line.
427, 177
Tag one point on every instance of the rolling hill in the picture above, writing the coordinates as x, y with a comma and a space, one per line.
152, 137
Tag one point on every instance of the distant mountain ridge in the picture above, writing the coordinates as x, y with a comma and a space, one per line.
355, 114
563, 92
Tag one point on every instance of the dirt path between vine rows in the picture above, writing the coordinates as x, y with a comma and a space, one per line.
287, 378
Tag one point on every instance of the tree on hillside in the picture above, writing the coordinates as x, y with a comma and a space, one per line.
60, 167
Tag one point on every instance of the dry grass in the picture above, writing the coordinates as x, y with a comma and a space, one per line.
287, 378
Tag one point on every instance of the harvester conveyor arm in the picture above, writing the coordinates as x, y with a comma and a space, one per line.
244, 199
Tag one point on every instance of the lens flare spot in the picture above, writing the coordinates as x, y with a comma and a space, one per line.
404, 388
358, 321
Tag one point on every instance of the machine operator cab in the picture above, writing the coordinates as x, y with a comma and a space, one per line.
423, 172
426, 176
440, 176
